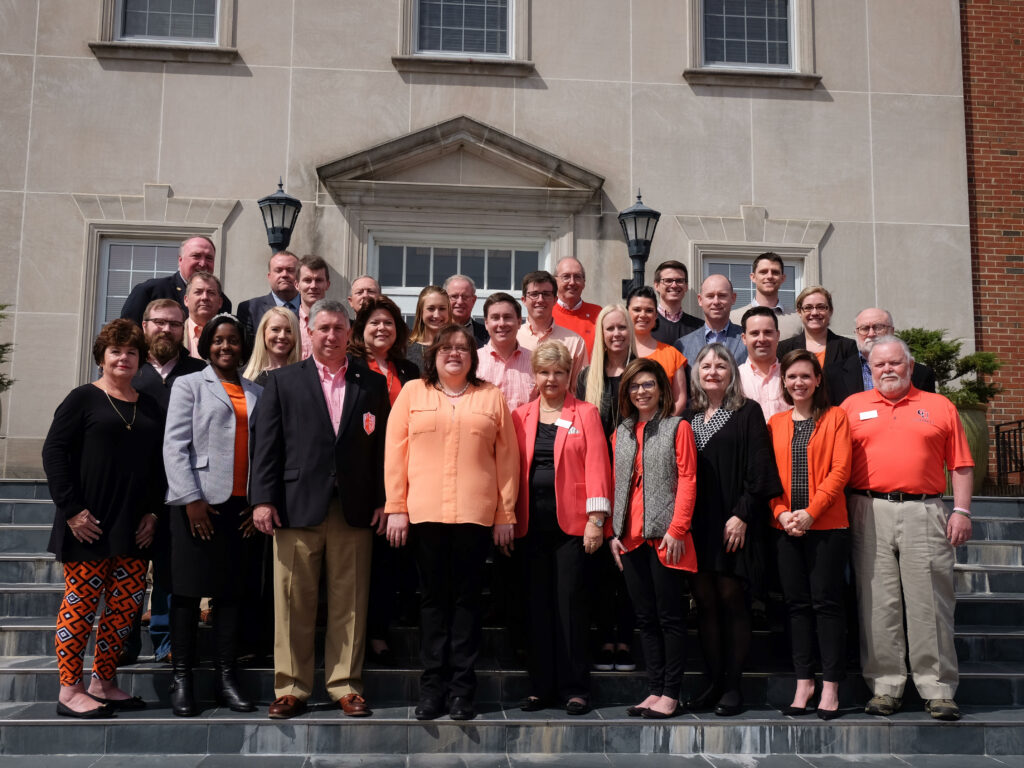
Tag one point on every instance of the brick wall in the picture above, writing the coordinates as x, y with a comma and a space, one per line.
993, 62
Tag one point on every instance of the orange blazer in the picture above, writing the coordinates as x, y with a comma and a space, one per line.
829, 462
583, 475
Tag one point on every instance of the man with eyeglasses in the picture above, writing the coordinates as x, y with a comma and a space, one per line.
539, 290
570, 310
461, 292
163, 324
671, 281
768, 273
855, 375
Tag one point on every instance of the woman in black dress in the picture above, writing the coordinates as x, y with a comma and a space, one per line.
102, 462
736, 478
206, 455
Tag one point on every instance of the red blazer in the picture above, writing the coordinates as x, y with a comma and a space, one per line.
583, 476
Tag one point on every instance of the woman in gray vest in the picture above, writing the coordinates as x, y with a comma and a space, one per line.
655, 490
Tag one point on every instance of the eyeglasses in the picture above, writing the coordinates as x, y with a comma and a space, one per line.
815, 308
461, 296
572, 276
448, 349
672, 280
164, 323
534, 295
646, 386
864, 330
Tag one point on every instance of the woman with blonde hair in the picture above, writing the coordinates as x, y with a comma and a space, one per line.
277, 344
433, 312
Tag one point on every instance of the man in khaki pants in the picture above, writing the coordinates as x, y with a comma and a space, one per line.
903, 535
317, 485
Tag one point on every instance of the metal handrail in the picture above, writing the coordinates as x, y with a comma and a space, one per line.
1009, 452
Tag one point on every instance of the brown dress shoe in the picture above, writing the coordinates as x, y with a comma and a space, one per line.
354, 705
286, 706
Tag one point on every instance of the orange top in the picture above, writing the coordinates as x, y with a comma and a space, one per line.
240, 480
451, 465
828, 467
581, 320
904, 446
394, 385
821, 357
669, 358
686, 496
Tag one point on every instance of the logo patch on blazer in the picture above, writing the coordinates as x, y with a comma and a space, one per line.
369, 422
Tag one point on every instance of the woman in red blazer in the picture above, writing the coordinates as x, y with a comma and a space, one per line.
565, 491
813, 453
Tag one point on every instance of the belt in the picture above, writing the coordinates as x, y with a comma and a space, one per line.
897, 496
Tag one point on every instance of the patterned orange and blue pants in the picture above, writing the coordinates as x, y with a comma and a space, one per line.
122, 582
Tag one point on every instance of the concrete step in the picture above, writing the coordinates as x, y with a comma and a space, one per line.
31, 568
27, 511
998, 609
988, 643
500, 730
991, 553
24, 538
975, 578
24, 489
997, 528
995, 506
19, 600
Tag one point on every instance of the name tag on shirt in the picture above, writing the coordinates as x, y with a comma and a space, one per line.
563, 423
864, 415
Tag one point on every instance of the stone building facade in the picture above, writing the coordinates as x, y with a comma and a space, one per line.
836, 138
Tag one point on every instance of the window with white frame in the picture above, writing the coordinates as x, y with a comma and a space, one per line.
123, 265
737, 269
464, 27
190, 21
741, 33
404, 269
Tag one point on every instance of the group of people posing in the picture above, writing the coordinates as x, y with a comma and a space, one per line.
633, 452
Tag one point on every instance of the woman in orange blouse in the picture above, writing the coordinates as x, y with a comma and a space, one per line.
206, 457
655, 489
451, 472
642, 303
813, 453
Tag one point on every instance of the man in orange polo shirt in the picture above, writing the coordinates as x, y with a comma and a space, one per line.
570, 310
903, 534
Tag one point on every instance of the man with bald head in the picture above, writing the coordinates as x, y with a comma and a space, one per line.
195, 254
855, 375
461, 292
364, 288
903, 535
570, 310
715, 300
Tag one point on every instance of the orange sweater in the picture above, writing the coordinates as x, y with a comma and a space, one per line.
829, 456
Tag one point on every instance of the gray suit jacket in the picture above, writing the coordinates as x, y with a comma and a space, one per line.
693, 342
199, 439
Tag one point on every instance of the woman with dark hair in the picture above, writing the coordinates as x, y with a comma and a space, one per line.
206, 456
814, 305
451, 472
277, 344
102, 462
813, 451
433, 312
378, 341
655, 476
642, 303
736, 477
565, 494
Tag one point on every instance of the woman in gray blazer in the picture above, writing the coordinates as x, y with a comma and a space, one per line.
206, 457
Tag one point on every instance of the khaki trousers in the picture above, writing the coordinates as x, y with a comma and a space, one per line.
903, 561
299, 555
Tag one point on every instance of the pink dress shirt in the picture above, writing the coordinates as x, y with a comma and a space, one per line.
766, 390
514, 376
307, 343
334, 390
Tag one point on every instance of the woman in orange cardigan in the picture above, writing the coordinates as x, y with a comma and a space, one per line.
813, 453
565, 491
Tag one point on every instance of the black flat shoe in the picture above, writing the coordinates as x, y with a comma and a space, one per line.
461, 709
730, 704
577, 707
135, 702
706, 700
635, 711
532, 704
428, 709
828, 714
653, 714
797, 711
90, 714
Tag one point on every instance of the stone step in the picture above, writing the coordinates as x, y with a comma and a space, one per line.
981, 579
997, 528
20, 600
602, 735
24, 489
24, 538
37, 568
27, 512
991, 553
990, 642
997, 609
995, 506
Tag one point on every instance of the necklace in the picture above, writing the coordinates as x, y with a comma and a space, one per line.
552, 410
453, 395
135, 411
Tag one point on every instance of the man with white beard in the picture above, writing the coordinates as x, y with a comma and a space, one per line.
903, 535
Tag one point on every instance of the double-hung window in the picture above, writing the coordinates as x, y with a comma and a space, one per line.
742, 33
464, 27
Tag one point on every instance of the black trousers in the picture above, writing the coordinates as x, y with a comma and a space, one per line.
450, 559
392, 575
812, 570
658, 599
554, 568
611, 608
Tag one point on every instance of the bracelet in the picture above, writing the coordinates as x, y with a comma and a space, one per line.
961, 511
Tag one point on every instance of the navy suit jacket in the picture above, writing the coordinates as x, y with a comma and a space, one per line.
167, 287
299, 465
251, 311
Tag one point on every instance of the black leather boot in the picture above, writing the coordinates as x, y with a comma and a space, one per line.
184, 618
225, 628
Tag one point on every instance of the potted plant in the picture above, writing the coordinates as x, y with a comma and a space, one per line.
961, 379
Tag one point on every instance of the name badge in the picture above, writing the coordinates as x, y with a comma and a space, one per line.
563, 423
868, 415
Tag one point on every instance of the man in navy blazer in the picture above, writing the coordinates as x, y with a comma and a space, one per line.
318, 486
196, 254
282, 274
715, 299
